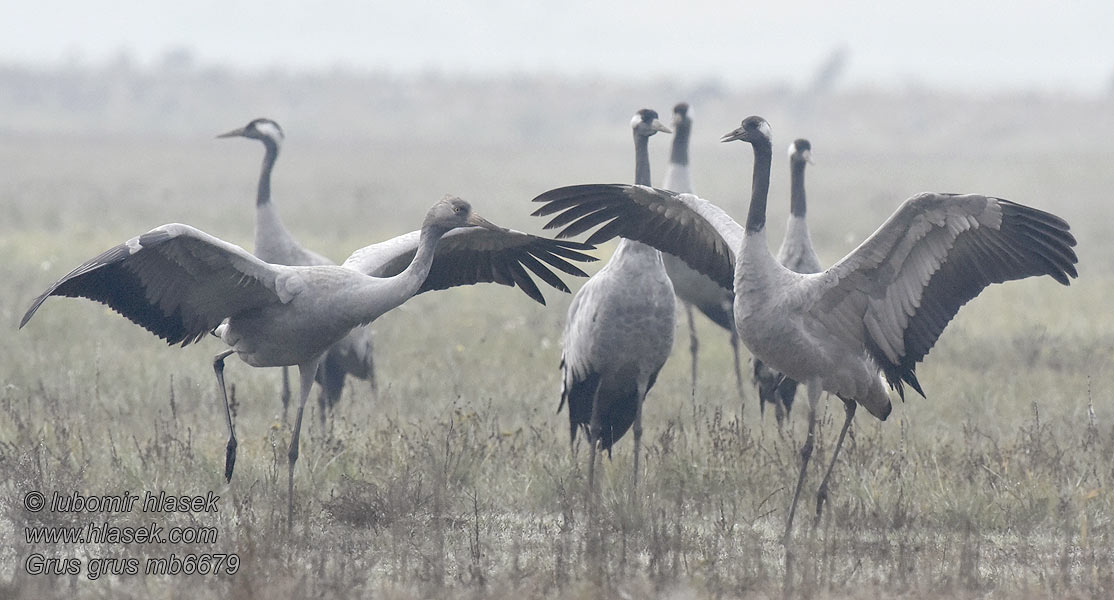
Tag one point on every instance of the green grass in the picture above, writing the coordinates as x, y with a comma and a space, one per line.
457, 481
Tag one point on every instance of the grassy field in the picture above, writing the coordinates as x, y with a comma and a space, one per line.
457, 481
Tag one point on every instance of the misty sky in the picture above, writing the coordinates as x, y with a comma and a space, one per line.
1021, 44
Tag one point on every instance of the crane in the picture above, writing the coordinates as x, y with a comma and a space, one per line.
619, 332
352, 355
863, 323
181, 284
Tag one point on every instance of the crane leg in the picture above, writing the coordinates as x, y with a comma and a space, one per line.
371, 376
285, 392
738, 371
761, 377
637, 436
694, 347
822, 493
594, 433
307, 372
230, 450
814, 391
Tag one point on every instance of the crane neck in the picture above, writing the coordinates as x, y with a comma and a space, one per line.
273, 243
641, 177
378, 295
797, 188
410, 280
679, 154
760, 186
642, 159
263, 195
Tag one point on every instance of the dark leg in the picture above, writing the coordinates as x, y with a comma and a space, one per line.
694, 348
371, 374
763, 379
285, 392
230, 451
738, 371
814, 392
306, 371
595, 431
822, 494
637, 437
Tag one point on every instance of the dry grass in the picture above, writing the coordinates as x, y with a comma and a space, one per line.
458, 480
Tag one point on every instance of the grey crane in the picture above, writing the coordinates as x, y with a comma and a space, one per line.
619, 332
864, 322
274, 244
797, 255
181, 283
692, 287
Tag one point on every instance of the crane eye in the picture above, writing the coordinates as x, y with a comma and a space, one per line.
457, 209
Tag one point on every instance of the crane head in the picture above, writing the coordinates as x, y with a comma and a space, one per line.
451, 212
259, 129
753, 129
645, 122
800, 151
682, 114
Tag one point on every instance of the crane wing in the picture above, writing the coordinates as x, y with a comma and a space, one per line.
896, 292
695, 230
469, 255
176, 281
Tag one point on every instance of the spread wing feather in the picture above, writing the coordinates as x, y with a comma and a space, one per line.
693, 229
176, 281
471, 255
896, 292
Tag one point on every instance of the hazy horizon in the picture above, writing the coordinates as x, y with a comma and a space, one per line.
950, 44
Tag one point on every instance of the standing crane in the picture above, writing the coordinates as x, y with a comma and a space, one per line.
863, 323
181, 283
619, 332
274, 244
692, 287
797, 255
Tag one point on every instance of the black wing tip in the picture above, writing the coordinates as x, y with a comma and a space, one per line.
577, 246
630, 211
1055, 233
910, 377
1064, 276
31, 310
604, 234
534, 294
570, 249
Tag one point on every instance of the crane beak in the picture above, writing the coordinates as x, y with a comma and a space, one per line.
807, 154
478, 221
657, 125
733, 136
234, 133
